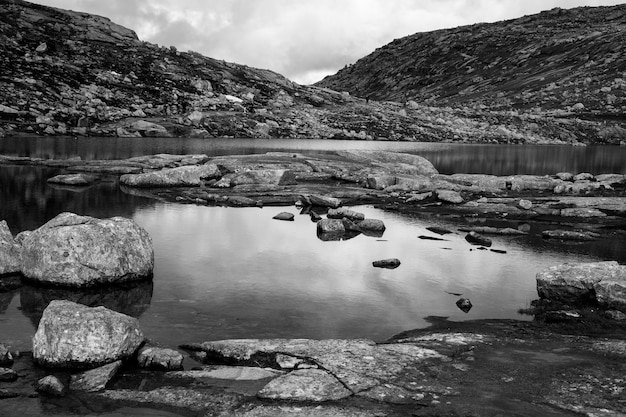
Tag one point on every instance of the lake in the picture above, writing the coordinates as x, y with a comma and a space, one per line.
237, 273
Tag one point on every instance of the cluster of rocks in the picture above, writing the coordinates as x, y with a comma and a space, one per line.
68, 73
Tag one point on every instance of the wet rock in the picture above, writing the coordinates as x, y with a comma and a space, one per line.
7, 375
342, 212
96, 379
372, 227
448, 196
185, 176
476, 239
264, 176
6, 358
464, 304
391, 263
81, 251
322, 201
73, 179
284, 216
601, 283
51, 385
71, 335
160, 358
330, 226
569, 235
313, 385
9, 251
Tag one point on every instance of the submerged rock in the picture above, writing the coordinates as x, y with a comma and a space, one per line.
71, 335
81, 251
9, 251
601, 283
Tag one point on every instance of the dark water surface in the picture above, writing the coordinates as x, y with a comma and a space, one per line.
447, 158
237, 273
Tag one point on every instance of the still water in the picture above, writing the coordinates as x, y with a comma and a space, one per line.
237, 273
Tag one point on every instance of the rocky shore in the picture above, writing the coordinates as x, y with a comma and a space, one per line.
568, 361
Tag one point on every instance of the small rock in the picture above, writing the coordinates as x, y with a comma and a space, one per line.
464, 304
525, 204
476, 239
439, 230
6, 358
7, 375
372, 227
95, 379
448, 196
73, 179
160, 358
51, 385
284, 216
498, 251
391, 263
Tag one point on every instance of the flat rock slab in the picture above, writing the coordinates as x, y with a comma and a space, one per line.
95, 379
160, 358
185, 176
603, 283
313, 385
73, 179
285, 216
231, 373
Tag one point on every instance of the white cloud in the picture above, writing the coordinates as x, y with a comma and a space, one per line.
301, 39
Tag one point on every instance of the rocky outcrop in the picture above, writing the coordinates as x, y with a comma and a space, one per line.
599, 283
71, 335
80, 251
9, 251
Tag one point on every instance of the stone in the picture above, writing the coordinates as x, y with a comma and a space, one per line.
185, 176
264, 176
10, 262
584, 176
341, 213
51, 385
7, 375
240, 201
322, 201
81, 251
160, 358
94, 380
601, 283
464, 304
439, 230
6, 358
73, 179
380, 182
314, 385
372, 227
148, 129
525, 204
71, 335
391, 263
284, 216
448, 196
231, 373
396, 161
333, 226
565, 176
569, 235
477, 239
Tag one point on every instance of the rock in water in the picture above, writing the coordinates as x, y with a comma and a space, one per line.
160, 358
387, 263
94, 380
602, 283
73, 179
372, 227
72, 335
51, 386
9, 251
464, 304
80, 251
342, 213
185, 176
284, 216
476, 239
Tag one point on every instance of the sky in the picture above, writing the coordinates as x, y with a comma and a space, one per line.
304, 40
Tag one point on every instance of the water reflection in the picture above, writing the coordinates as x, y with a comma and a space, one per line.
447, 158
132, 299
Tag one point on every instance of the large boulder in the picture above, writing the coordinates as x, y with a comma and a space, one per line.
603, 283
185, 176
9, 251
81, 251
72, 335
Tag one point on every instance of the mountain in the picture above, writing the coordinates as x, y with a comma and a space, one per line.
70, 73
559, 60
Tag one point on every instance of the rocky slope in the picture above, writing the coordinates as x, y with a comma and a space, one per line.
71, 73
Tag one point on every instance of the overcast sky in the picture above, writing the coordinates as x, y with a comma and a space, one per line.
301, 39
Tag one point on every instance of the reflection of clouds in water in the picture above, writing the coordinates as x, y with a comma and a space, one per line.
253, 274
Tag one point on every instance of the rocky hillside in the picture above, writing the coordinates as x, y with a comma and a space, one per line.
71, 73
558, 60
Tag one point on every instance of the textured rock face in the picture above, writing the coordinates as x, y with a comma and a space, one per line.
71, 335
81, 251
603, 283
186, 176
305, 385
9, 251
160, 358
95, 379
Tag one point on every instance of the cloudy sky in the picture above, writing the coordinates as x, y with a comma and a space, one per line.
301, 39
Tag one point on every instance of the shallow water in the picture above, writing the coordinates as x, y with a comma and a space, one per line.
237, 273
